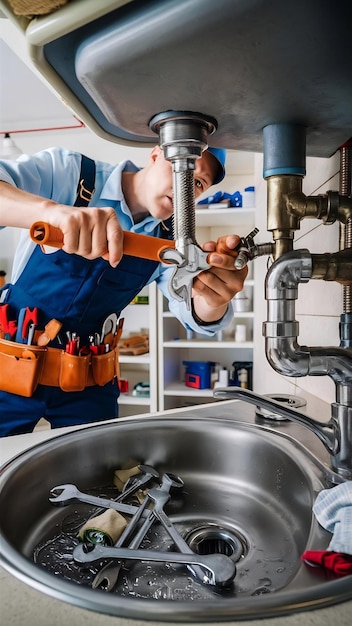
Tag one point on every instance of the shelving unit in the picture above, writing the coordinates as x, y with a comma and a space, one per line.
174, 346
141, 367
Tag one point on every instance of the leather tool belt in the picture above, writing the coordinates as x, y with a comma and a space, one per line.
24, 367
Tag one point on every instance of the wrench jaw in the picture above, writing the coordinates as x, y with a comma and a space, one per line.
181, 281
62, 495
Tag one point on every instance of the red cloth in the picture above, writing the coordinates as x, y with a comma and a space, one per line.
338, 563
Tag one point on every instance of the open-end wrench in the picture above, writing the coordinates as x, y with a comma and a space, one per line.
220, 568
107, 577
160, 497
68, 494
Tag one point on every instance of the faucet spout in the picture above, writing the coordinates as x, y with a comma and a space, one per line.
336, 435
327, 433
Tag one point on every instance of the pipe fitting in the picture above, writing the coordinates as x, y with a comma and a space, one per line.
328, 208
333, 267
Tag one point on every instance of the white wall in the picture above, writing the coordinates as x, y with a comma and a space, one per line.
319, 303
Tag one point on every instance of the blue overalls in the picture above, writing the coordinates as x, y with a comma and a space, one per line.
80, 293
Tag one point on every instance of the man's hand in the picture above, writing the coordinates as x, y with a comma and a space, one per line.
214, 288
91, 233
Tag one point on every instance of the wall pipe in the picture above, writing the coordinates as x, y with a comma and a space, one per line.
345, 241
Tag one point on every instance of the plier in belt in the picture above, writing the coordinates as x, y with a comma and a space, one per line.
8, 327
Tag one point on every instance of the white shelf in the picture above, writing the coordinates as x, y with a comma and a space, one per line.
210, 224
208, 343
141, 318
180, 390
126, 398
222, 217
139, 359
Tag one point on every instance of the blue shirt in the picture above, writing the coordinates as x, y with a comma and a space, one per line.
54, 174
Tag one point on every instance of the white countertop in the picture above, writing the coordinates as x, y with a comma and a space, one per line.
21, 604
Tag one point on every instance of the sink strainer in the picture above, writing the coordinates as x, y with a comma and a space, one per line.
213, 539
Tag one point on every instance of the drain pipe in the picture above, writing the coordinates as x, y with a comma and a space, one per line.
284, 168
281, 331
345, 241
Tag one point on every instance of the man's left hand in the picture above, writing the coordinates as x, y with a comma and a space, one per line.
214, 288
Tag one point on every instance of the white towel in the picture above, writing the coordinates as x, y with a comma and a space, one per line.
333, 510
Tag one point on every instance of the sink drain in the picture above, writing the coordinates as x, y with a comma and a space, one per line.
213, 539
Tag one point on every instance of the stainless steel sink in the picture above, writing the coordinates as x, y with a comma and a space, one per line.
248, 493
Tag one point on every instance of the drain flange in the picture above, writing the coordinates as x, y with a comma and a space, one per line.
213, 539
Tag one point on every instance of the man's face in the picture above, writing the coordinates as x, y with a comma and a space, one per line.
160, 191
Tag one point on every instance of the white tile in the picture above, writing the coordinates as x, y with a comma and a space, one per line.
317, 330
319, 298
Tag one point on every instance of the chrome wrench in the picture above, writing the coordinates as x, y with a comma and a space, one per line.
68, 494
221, 569
181, 280
107, 577
138, 482
160, 497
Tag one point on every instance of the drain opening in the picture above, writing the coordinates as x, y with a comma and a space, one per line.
216, 540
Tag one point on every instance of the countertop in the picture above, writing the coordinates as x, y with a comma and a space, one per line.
21, 604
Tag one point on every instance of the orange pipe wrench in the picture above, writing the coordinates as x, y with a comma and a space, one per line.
134, 244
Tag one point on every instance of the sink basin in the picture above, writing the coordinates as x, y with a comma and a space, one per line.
248, 493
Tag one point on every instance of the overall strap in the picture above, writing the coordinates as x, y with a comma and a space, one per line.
85, 188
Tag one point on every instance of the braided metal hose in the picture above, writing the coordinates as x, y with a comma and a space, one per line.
346, 229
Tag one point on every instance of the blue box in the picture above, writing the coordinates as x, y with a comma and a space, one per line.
198, 374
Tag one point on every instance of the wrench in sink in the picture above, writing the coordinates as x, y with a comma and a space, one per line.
221, 569
148, 473
107, 577
160, 497
68, 494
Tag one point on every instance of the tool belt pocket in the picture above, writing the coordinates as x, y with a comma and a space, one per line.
73, 375
20, 367
104, 367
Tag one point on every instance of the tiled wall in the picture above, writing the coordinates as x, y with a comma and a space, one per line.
319, 303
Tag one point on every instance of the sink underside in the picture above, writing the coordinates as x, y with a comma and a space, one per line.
247, 64
247, 493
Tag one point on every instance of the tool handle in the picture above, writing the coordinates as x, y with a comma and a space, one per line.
134, 244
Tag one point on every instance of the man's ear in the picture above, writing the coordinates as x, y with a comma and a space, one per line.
155, 153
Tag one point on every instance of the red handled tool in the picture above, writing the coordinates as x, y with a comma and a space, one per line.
7, 327
26, 317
